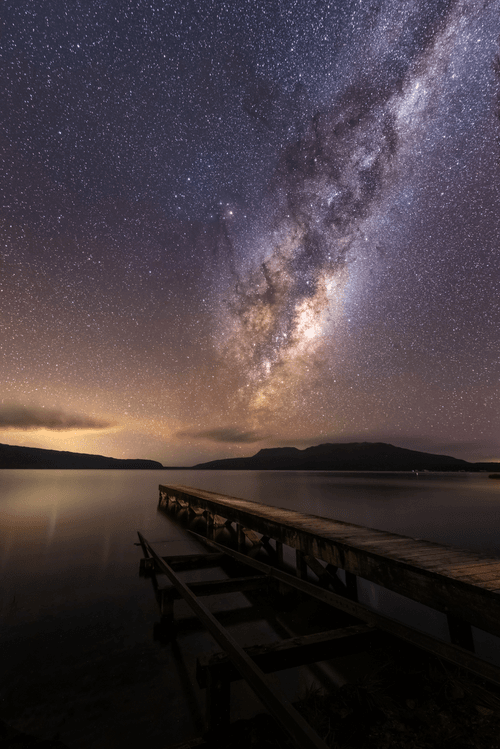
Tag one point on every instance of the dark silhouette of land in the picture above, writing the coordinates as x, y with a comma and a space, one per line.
12, 456
353, 456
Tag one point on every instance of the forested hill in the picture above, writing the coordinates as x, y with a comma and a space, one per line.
354, 456
12, 456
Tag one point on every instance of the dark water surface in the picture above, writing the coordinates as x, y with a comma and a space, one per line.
78, 656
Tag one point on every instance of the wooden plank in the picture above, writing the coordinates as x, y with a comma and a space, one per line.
433, 554
492, 586
300, 732
479, 573
443, 562
396, 547
291, 653
483, 566
485, 583
448, 652
458, 573
220, 587
321, 525
194, 561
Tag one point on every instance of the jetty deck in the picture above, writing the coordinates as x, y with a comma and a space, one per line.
461, 584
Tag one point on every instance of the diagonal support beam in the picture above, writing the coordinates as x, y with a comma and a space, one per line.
293, 723
325, 576
451, 653
297, 651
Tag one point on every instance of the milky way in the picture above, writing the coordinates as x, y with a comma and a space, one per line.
234, 226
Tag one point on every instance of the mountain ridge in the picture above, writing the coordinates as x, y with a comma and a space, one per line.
347, 456
14, 456
340, 456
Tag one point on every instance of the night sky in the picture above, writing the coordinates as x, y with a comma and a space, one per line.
235, 225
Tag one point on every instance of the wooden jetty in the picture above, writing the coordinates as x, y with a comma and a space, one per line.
461, 584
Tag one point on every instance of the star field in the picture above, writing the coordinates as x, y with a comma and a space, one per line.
227, 226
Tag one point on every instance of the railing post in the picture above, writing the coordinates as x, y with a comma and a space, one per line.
279, 554
281, 589
301, 565
351, 584
240, 538
210, 525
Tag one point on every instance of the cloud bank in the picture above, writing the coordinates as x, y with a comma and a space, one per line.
13, 416
224, 434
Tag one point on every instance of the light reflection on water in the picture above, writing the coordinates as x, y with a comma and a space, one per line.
60, 526
69, 567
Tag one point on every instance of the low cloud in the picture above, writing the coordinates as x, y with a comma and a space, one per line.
224, 434
33, 417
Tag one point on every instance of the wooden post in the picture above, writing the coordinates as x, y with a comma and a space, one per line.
232, 532
301, 565
281, 589
351, 584
240, 538
279, 554
460, 633
210, 525
146, 567
218, 703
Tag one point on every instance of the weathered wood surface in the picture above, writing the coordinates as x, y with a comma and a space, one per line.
459, 583
296, 651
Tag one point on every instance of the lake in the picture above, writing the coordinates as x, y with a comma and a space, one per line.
76, 620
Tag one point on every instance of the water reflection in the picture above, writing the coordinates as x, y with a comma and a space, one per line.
60, 526
73, 609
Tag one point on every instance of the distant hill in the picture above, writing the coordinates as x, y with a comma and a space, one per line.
12, 456
352, 456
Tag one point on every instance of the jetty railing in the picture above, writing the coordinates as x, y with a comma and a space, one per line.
463, 585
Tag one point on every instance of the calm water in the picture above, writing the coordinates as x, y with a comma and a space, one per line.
76, 620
